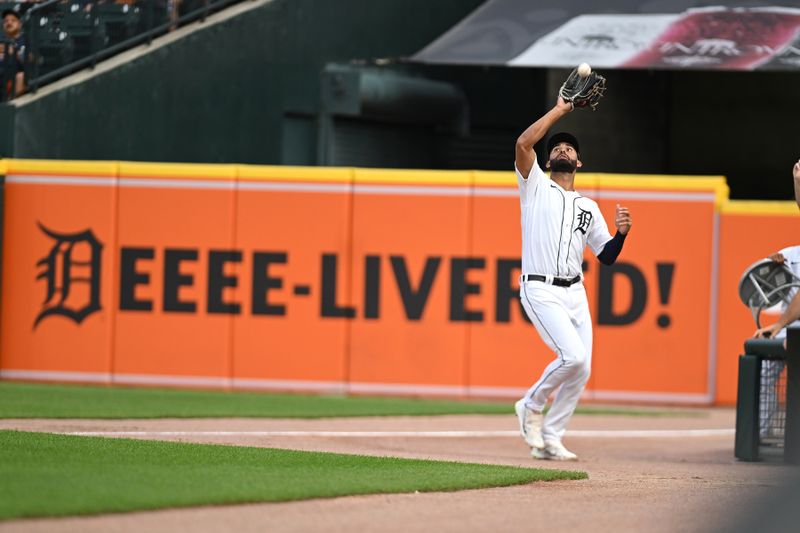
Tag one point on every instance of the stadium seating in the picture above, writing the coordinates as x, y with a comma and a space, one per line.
84, 28
66, 35
120, 21
54, 48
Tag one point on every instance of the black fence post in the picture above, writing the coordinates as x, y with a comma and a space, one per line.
747, 397
791, 452
95, 20
150, 20
31, 55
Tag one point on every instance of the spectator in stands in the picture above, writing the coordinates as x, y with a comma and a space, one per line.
12, 29
12, 75
12, 55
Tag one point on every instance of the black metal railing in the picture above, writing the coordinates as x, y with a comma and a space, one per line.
65, 36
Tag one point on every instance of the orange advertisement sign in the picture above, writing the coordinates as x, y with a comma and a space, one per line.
652, 310
55, 289
750, 231
342, 280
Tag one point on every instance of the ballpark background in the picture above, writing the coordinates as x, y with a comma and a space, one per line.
316, 197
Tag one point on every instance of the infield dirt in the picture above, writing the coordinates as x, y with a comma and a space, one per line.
652, 482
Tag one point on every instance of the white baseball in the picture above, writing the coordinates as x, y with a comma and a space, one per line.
584, 70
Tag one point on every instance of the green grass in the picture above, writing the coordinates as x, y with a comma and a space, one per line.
26, 400
44, 474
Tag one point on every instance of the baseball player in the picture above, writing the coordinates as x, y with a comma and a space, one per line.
557, 224
771, 370
791, 258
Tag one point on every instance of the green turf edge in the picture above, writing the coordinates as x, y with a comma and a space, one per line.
49, 475
36, 400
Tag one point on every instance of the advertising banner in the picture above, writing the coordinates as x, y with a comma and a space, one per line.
624, 34
750, 232
365, 281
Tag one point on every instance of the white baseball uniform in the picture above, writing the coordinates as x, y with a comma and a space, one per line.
792, 261
771, 370
556, 227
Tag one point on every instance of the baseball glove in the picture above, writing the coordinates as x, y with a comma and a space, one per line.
583, 92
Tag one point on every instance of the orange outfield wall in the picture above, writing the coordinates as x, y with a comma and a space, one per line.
286, 219
180, 226
356, 280
750, 231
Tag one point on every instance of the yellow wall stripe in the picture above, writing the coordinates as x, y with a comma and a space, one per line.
755, 207
346, 175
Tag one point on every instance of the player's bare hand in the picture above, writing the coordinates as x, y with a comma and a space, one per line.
623, 220
777, 258
796, 174
564, 105
767, 332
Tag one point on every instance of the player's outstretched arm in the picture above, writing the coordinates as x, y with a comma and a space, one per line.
796, 174
789, 315
525, 155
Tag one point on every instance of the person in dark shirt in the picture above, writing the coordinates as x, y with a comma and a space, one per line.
12, 54
12, 29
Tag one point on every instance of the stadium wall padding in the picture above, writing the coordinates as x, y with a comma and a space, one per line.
364, 281
750, 231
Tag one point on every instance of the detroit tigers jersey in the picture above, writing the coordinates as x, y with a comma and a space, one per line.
556, 226
792, 256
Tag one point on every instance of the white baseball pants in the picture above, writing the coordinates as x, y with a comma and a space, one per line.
561, 316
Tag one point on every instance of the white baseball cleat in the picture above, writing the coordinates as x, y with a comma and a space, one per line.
555, 451
530, 424
539, 453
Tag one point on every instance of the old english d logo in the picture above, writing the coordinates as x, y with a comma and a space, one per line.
72, 273
584, 219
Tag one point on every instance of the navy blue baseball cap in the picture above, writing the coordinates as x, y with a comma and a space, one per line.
562, 137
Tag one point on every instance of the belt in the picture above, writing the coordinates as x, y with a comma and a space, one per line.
558, 282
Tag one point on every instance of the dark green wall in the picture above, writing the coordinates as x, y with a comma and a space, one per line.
221, 93
248, 91
737, 124
743, 125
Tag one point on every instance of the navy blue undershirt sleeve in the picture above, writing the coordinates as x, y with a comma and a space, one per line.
611, 249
